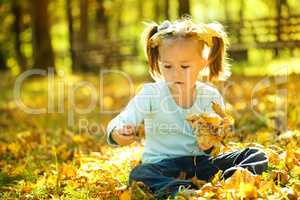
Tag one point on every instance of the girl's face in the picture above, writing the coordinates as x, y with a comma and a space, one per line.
180, 61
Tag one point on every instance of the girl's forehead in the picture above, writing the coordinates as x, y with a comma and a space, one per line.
186, 46
180, 42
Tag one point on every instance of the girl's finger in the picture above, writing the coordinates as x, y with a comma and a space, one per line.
126, 137
129, 131
129, 126
126, 132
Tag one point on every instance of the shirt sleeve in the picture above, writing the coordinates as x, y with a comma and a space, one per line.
134, 113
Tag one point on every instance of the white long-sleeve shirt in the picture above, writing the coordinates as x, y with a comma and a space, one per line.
167, 133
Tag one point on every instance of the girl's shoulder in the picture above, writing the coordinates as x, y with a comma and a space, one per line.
153, 88
206, 88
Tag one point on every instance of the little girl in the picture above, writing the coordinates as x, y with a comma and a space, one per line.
177, 53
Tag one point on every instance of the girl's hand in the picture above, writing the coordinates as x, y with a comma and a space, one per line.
125, 135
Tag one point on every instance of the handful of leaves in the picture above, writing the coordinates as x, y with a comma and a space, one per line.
212, 129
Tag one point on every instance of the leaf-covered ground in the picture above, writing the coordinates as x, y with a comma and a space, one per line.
44, 157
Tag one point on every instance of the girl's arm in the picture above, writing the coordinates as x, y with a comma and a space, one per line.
120, 129
123, 136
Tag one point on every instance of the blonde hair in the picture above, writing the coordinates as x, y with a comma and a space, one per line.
211, 34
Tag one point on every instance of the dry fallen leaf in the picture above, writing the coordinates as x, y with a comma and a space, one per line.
126, 195
139, 190
241, 175
280, 177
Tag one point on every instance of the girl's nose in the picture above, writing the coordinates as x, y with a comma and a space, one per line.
179, 74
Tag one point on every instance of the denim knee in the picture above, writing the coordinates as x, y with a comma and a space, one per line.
142, 171
134, 174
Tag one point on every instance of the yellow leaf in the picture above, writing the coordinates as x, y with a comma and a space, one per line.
126, 195
217, 108
217, 177
248, 191
263, 137
14, 148
241, 175
273, 156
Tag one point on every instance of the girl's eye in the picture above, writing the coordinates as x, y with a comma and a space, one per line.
167, 66
185, 66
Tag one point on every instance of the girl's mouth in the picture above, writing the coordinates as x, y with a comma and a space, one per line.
178, 82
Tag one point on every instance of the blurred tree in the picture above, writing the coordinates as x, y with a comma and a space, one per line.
226, 11
2, 59
184, 7
166, 9
140, 6
119, 21
71, 32
157, 12
3, 51
42, 48
101, 21
17, 28
241, 21
83, 22
102, 29
281, 5
83, 35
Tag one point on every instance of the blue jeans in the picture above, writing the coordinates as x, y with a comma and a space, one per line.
161, 178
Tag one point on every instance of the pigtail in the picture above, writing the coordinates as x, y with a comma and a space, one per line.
218, 67
151, 52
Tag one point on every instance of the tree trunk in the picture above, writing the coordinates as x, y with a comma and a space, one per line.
2, 59
17, 28
83, 22
83, 35
156, 11
140, 10
101, 21
119, 17
226, 11
43, 55
166, 9
278, 31
102, 30
183, 8
241, 20
71, 33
